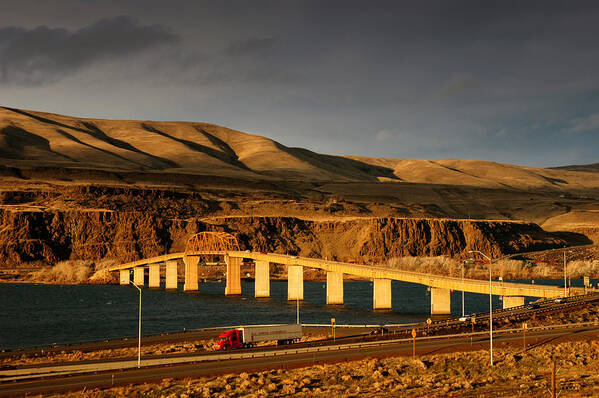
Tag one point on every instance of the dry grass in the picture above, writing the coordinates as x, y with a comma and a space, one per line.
71, 272
77, 272
101, 274
507, 269
438, 375
579, 269
209, 149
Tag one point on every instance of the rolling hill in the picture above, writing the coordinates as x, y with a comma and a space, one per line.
30, 138
93, 188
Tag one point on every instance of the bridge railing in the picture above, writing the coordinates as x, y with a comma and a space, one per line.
498, 287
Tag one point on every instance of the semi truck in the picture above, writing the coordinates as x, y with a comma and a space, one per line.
247, 336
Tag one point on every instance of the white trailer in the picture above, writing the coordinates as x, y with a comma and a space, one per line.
281, 333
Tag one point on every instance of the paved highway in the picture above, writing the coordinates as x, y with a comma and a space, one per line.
284, 359
123, 371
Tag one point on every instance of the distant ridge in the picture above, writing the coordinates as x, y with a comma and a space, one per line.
594, 167
32, 138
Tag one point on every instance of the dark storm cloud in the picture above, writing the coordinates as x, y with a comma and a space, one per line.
254, 46
43, 55
513, 81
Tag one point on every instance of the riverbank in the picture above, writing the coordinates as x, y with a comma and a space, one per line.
203, 340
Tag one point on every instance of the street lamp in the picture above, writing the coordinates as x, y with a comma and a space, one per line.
139, 336
490, 303
565, 284
463, 265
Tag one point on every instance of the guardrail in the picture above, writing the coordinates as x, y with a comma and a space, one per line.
21, 374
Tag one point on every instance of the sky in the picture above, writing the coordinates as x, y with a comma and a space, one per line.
506, 81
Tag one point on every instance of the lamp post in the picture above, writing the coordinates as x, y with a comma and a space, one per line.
463, 265
139, 335
490, 304
565, 282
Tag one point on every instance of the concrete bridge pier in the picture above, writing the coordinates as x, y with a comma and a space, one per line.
295, 282
191, 273
139, 275
233, 286
262, 279
334, 287
154, 280
125, 276
381, 294
512, 301
440, 301
171, 275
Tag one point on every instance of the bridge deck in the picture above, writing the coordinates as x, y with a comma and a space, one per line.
372, 272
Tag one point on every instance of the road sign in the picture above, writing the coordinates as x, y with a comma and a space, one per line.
413, 343
333, 327
429, 321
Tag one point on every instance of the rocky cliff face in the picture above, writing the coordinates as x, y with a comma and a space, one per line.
47, 237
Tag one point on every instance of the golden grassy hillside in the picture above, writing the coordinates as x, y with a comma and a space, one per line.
47, 160
481, 173
36, 138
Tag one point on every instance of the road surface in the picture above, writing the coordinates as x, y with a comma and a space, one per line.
286, 358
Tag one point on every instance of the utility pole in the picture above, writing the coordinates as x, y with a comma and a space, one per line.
490, 302
139, 336
565, 285
553, 389
463, 265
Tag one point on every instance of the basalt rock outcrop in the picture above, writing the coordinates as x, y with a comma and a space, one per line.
47, 237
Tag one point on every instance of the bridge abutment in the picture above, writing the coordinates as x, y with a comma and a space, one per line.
262, 279
381, 294
440, 301
171, 275
512, 301
191, 273
125, 276
334, 287
154, 279
295, 282
233, 286
139, 275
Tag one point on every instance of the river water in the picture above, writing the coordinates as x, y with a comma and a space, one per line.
39, 315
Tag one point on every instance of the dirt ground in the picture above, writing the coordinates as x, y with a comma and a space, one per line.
468, 374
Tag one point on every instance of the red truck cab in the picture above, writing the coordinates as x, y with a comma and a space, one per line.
229, 339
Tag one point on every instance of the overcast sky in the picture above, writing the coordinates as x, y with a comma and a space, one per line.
507, 81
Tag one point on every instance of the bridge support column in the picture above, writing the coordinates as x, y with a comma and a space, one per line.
171, 275
440, 301
191, 273
295, 282
334, 287
125, 276
154, 280
381, 294
233, 286
512, 301
139, 275
262, 280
